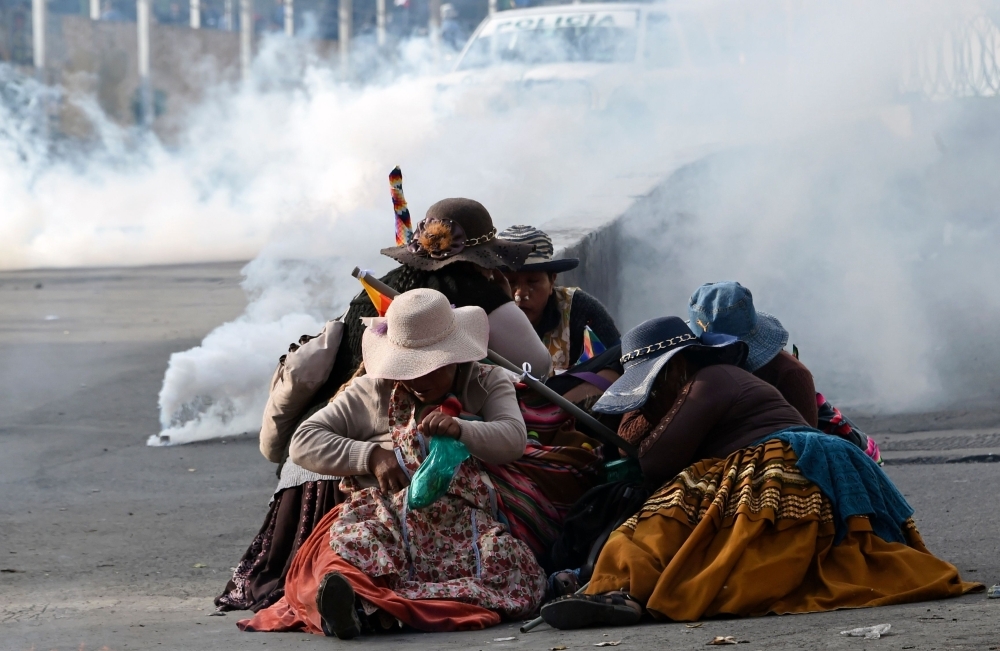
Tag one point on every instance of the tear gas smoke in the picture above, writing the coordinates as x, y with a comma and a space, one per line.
825, 192
877, 264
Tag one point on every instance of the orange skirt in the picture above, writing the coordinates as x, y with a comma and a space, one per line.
749, 535
297, 610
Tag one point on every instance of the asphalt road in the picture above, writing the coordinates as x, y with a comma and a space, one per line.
107, 543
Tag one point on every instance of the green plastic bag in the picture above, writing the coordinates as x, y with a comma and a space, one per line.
434, 475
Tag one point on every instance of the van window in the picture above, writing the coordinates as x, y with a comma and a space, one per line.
663, 47
578, 36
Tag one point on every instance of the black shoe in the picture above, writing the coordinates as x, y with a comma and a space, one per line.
335, 600
581, 611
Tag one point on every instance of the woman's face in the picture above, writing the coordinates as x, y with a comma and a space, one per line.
655, 407
665, 389
434, 386
531, 291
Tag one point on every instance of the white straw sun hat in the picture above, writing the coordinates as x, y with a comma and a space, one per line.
420, 333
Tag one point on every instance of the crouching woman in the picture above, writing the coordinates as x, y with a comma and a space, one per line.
756, 512
373, 562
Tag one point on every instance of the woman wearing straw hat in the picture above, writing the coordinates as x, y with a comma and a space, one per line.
560, 315
451, 565
756, 512
455, 250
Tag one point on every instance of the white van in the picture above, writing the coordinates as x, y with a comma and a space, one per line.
603, 54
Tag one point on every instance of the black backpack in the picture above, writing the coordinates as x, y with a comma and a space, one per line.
590, 521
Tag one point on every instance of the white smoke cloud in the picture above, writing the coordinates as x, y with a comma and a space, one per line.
837, 267
290, 169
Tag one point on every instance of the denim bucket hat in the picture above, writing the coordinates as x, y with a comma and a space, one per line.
727, 308
648, 347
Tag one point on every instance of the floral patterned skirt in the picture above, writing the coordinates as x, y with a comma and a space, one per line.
297, 611
450, 550
450, 568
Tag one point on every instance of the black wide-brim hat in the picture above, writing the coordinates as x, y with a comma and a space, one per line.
458, 230
648, 347
551, 266
541, 258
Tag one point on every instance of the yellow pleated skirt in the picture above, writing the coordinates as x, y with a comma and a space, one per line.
750, 535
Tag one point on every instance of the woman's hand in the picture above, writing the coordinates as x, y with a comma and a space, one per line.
385, 467
438, 424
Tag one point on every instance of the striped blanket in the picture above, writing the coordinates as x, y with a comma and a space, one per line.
535, 492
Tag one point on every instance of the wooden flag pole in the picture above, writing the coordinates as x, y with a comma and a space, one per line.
587, 423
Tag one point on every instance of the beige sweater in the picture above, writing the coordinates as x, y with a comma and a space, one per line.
339, 439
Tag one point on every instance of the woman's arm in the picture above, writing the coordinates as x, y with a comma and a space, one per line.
512, 336
336, 439
501, 436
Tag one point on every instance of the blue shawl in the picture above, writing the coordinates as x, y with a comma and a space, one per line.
854, 484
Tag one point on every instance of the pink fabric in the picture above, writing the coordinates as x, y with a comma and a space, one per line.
873, 451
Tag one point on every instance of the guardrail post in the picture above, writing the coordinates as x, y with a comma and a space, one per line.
38, 18
345, 19
434, 24
145, 90
246, 36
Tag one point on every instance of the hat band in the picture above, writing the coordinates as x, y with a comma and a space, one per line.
442, 238
482, 239
652, 348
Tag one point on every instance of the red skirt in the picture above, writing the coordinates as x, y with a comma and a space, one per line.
297, 610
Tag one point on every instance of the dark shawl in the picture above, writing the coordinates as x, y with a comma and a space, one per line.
585, 310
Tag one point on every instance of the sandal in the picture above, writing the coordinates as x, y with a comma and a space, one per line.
581, 611
335, 601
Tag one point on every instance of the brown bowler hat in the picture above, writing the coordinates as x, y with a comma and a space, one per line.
458, 230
